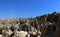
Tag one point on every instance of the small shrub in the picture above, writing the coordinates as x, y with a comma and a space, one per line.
4, 28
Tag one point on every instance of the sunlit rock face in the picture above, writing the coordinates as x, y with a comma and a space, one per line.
7, 33
1, 35
20, 33
48, 24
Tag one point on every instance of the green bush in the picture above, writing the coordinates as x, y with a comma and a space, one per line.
4, 28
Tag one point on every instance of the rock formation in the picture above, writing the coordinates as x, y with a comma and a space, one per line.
43, 26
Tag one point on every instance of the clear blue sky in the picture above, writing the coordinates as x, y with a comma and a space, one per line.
27, 8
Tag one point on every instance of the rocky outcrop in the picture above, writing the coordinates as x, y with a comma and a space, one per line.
45, 25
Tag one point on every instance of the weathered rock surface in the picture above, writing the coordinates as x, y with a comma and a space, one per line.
44, 26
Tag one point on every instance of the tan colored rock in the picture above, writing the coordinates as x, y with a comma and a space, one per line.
20, 34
